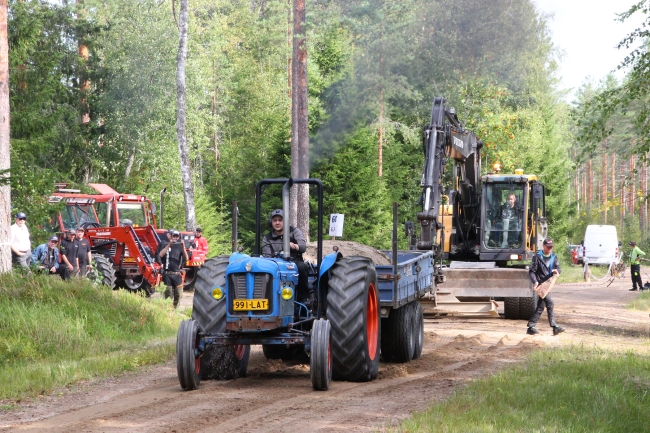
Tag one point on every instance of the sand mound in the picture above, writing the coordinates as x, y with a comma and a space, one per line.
347, 248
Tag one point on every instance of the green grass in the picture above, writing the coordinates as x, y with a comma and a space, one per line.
641, 302
54, 333
557, 390
573, 273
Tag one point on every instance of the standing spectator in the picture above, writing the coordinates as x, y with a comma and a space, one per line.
46, 257
21, 245
200, 243
162, 260
84, 257
635, 266
176, 258
544, 265
69, 253
581, 251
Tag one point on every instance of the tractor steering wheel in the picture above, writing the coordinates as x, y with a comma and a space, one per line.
91, 225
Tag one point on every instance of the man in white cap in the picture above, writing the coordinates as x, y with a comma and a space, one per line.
21, 245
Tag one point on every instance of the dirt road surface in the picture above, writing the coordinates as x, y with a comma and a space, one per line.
277, 397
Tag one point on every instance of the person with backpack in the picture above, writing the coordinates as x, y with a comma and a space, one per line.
272, 247
544, 265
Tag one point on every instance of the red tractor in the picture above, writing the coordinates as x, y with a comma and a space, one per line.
122, 232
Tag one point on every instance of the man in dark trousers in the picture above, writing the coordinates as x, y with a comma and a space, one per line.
544, 265
46, 257
162, 260
272, 247
176, 256
68, 253
635, 266
84, 257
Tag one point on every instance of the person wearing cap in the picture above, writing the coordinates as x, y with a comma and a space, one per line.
68, 252
200, 243
272, 247
46, 258
176, 256
635, 266
544, 265
21, 245
84, 257
164, 240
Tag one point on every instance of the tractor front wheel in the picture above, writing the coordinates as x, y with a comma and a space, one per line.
187, 364
353, 313
320, 361
105, 270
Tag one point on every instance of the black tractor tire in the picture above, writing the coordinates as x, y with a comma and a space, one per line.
187, 365
527, 306
353, 313
511, 308
190, 278
137, 284
209, 313
225, 362
105, 269
320, 360
418, 329
398, 336
277, 351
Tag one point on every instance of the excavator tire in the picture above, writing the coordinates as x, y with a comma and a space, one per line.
511, 308
527, 306
353, 312
105, 269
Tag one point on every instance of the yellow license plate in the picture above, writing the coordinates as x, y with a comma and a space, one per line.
250, 304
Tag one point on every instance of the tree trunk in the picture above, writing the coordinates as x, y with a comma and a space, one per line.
5, 164
590, 186
603, 183
299, 121
188, 188
632, 190
643, 203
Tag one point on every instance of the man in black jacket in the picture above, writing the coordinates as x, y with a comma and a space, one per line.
544, 265
176, 256
272, 247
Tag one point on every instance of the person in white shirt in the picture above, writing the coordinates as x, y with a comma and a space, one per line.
21, 245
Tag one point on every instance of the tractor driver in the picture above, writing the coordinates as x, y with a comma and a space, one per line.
176, 258
272, 247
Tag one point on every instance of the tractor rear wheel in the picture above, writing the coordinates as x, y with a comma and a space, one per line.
187, 365
353, 313
209, 313
105, 269
320, 361
418, 329
398, 338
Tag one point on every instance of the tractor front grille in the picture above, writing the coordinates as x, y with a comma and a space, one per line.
262, 288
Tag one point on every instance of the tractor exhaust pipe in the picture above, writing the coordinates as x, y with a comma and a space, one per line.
286, 253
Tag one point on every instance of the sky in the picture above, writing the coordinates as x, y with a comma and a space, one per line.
587, 31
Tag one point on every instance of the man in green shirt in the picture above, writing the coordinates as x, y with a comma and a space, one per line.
635, 266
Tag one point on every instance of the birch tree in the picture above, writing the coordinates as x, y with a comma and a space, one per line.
181, 59
5, 188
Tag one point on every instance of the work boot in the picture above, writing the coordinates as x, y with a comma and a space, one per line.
633, 289
168, 292
178, 294
532, 331
557, 330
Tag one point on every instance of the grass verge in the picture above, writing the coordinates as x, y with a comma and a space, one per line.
560, 390
54, 333
573, 273
641, 302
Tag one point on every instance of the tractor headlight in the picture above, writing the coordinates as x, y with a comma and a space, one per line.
217, 293
287, 293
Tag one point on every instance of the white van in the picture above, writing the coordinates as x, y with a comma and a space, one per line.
601, 245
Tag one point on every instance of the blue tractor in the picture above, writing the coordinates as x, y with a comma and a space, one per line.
241, 300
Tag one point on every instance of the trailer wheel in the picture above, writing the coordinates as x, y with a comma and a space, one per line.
398, 338
209, 313
511, 308
187, 365
225, 362
320, 361
418, 329
527, 306
105, 269
353, 313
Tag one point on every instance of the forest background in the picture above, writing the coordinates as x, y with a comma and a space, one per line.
108, 114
